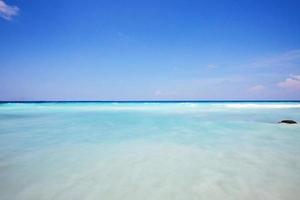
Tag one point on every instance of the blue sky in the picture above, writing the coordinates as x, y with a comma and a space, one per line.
149, 50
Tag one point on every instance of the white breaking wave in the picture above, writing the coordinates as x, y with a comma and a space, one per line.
252, 105
155, 107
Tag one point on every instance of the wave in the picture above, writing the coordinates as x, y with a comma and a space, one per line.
164, 107
269, 106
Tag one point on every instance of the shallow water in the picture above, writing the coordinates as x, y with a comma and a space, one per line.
158, 151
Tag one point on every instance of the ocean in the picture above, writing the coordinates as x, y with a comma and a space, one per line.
149, 151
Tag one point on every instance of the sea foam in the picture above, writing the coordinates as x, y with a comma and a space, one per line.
262, 105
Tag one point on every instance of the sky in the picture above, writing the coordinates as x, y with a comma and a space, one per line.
149, 50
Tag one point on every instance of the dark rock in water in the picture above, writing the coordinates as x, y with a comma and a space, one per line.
288, 121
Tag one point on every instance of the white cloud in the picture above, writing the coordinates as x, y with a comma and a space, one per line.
6, 11
287, 59
257, 88
293, 82
296, 77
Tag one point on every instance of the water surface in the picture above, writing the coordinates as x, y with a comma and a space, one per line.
157, 151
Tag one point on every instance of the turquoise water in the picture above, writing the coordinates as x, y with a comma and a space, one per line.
155, 151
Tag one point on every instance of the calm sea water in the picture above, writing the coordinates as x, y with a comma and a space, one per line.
155, 151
